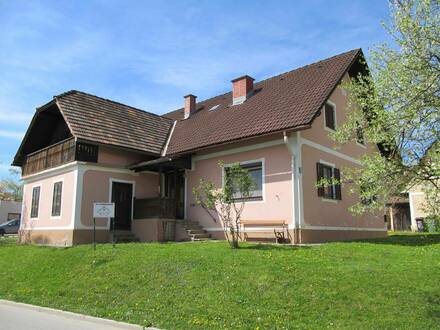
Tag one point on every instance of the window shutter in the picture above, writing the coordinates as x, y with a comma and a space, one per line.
337, 175
319, 175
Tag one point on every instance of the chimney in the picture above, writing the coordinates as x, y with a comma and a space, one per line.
190, 105
242, 88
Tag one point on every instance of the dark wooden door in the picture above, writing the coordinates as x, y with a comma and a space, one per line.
122, 196
180, 198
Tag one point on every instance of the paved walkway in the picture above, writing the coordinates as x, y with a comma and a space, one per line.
15, 316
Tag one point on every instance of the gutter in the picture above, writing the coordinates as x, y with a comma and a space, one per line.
164, 152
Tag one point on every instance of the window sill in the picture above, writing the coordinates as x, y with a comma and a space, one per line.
251, 199
329, 200
329, 129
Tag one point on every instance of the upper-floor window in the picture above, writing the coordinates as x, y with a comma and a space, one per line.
56, 198
35, 204
255, 171
330, 116
360, 134
328, 178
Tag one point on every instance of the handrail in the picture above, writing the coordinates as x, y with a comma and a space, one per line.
49, 147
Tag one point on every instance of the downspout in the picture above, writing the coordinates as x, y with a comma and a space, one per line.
296, 231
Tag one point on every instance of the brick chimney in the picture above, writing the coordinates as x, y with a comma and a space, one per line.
190, 105
242, 88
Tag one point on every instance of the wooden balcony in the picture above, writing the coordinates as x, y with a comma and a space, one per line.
60, 153
154, 208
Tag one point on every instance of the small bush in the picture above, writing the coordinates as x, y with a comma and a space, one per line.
432, 224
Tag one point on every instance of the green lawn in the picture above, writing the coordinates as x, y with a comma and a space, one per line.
391, 283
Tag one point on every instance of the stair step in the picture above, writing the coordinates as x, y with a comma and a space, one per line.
197, 236
196, 231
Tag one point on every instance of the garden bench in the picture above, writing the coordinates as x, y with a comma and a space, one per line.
279, 228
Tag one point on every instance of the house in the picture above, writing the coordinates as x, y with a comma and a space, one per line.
407, 212
9, 210
80, 149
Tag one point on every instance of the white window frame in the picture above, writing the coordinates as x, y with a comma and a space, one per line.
39, 202
263, 171
333, 105
57, 217
333, 166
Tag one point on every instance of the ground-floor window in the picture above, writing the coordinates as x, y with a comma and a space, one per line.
255, 171
35, 204
56, 198
328, 181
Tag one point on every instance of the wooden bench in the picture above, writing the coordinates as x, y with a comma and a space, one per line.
279, 228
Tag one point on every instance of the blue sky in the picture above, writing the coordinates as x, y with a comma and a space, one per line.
149, 54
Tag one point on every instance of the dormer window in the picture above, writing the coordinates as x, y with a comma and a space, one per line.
330, 116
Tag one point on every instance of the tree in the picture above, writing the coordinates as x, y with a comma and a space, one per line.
11, 188
396, 106
227, 202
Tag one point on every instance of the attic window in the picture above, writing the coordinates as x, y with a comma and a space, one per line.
215, 107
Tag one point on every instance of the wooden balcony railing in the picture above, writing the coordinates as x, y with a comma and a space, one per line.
154, 208
63, 152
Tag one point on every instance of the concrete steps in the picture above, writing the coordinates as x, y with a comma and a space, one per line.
195, 231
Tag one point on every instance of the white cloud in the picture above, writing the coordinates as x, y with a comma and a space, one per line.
15, 117
11, 134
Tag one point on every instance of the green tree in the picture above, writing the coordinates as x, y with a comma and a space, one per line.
11, 188
227, 202
396, 106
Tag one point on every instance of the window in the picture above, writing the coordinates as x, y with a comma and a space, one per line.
12, 216
35, 202
255, 171
56, 199
330, 116
326, 177
360, 134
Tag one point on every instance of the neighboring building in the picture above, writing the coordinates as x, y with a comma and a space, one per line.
9, 210
407, 211
81, 149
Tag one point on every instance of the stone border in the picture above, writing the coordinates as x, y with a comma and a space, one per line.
76, 316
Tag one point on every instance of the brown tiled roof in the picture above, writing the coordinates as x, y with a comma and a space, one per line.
104, 121
287, 101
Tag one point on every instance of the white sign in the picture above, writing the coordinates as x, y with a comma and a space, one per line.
103, 210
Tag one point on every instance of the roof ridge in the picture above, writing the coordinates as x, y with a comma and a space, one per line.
310, 64
74, 91
278, 75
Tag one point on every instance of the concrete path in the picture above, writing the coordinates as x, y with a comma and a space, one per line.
16, 316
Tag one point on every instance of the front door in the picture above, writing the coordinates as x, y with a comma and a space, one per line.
122, 196
174, 193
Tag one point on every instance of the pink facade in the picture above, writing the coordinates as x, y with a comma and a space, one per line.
288, 173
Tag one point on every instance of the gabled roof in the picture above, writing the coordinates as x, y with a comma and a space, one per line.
104, 121
288, 101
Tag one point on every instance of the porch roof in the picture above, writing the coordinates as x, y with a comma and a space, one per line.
163, 163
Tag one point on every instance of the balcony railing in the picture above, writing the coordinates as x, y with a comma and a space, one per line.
63, 152
154, 208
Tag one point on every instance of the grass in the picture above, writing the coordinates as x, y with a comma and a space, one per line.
389, 283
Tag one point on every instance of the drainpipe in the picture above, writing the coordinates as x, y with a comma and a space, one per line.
296, 232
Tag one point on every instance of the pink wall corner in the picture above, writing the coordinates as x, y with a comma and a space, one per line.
96, 188
45, 218
330, 213
277, 203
